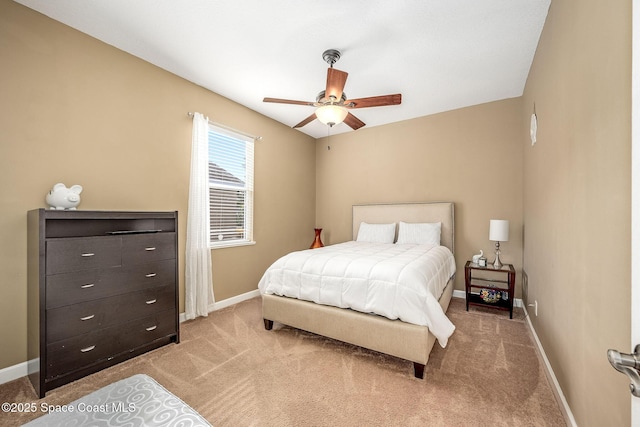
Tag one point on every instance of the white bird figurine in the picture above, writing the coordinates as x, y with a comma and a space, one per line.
477, 257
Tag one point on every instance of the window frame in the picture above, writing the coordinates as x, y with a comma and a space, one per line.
248, 189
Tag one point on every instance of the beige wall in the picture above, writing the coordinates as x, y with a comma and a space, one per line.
78, 111
471, 156
577, 202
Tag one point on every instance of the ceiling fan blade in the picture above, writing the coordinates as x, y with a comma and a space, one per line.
306, 121
287, 101
353, 122
374, 101
336, 80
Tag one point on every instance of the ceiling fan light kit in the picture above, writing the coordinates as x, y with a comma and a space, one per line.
333, 105
331, 114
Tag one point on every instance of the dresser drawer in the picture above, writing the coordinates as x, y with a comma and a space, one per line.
71, 288
68, 321
82, 253
150, 275
81, 351
142, 248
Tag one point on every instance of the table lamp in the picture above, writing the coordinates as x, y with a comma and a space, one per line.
498, 232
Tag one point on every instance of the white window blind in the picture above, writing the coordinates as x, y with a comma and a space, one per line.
230, 187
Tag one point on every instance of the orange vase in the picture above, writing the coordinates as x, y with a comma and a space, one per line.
317, 242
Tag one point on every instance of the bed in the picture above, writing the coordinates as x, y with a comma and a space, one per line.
381, 333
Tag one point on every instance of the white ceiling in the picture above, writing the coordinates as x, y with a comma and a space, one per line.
440, 54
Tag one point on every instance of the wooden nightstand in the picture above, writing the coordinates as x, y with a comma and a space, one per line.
477, 278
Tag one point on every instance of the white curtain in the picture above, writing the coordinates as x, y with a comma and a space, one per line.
198, 286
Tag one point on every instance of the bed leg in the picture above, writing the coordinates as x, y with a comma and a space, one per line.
268, 324
418, 370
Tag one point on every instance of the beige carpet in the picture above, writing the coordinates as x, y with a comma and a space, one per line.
235, 373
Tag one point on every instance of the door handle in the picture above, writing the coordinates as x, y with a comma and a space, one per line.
628, 364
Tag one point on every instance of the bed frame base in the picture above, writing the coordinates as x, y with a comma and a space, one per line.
418, 370
393, 337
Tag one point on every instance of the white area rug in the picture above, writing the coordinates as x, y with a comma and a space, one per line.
135, 401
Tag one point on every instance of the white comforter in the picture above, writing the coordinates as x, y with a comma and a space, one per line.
396, 281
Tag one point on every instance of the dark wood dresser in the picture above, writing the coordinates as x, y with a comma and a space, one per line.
102, 288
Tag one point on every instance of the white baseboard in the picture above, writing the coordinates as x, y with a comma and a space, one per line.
459, 294
14, 372
564, 406
227, 302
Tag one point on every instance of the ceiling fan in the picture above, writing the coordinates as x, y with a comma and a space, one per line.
332, 102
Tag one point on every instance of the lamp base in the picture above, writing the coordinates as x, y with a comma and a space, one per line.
497, 264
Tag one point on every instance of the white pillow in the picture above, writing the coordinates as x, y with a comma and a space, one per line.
427, 233
376, 233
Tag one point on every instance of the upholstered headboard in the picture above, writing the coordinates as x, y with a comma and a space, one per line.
408, 212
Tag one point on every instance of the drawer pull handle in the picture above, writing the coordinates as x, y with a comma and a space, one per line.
88, 285
87, 317
151, 328
88, 254
84, 350
150, 249
150, 275
151, 301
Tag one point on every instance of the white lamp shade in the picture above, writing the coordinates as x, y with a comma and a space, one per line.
499, 230
331, 114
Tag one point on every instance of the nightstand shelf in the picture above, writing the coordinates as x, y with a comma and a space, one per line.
478, 278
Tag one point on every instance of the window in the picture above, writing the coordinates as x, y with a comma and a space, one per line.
230, 188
